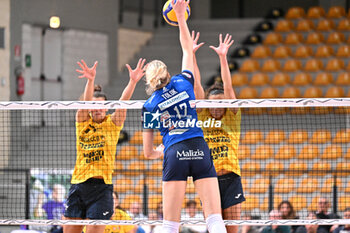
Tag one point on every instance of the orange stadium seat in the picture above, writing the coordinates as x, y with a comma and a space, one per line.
280, 79
342, 110
129, 199
347, 154
343, 168
273, 38
325, 25
286, 152
348, 66
314, 203
347, 187
275, 136
284, 26
297, 168
315, 12
154, 200
250, 203
248, 93
335, 92
302, 79
293, 38
344, 202
344, 25
320, 168
291, 92
299, 202
303, 52
308, 185
127, 153
343, 51
313, 65
295, 13
309, 152
320, 136
334, 65
239, 79
274, 168
298, 136
284, 185
324, 51
314, 38
156, 168
152, 184
328, 184
253, 137
261, 51
323, 79
335, 38
157, 138
271, 65
332, 152
259, 79
190, 186
304, 25
135, 168
342, 136
263, 152
260, 185
136, 139
282, 51
300, 111
269, 93
250, 169
245, 184
243, 152
249, 65
264, 206
336, 12
292, 65
123, 185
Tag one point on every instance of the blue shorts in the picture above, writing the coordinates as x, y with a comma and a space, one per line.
190, 157
231, 190
92, 199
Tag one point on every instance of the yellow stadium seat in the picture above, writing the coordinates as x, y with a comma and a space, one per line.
335, 38
335, 92
245, 184
248, 93
332, 152
239, 79
343, 51
297, 168
263, 152
271, 65
275, 137
250, 169
316, 12
334, 65
336, 12
303, 52
309, 152
343, 168
157, 138
251, 203
344, 202
282, 51
261, 51
274, 168
304, 25
308, 185
127, 153
136, 139
190, 186
280, 79
293, 38
269, 93
273, 38
328, 184
118, 165
265, 204
320, 168
298, 136
286, 152
291, 92
295, 13
299, 202
292, 65
314, 38
129, 199
260, 185
135, 168
324, 51
253, 137
313, 65
344, 25
123, 185
156, 169
249, 65
302, 79
323, 79
284, 185
342, 136
325, 25
259, 79
320, 136
154, 201
152, 184
243, 152
347, 188
284, 26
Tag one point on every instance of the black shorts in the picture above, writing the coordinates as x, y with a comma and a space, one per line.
231, 190
190, 157
92, 199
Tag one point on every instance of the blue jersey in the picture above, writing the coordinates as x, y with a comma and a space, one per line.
169, 110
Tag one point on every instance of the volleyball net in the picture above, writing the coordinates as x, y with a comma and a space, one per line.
289, 149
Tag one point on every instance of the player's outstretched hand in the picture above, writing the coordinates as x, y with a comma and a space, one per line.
86, 72
180, 7
137, 73
195, 38
224, 46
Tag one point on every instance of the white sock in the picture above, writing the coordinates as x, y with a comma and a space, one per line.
215, 224
170, 227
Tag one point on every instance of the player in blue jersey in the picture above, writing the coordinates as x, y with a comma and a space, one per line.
185, 151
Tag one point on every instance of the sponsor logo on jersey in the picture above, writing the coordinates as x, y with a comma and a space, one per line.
190, 154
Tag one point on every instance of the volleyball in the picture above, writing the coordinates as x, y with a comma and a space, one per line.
169, 14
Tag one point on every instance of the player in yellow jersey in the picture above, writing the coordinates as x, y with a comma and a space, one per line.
97, 133
223, 142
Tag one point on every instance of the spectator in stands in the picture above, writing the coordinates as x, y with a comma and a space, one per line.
322, 213
345, 228
135, 211
287, 212
309, 228
192, 213
276, 215
159, 210
248, 228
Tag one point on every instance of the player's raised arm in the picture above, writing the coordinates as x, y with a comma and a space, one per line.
90, 74
198, 88
185, 37
135, 75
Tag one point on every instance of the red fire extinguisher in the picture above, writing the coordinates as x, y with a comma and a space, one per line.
20, 81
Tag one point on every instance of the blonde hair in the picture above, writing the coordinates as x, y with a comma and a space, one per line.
157, 76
